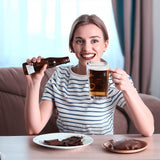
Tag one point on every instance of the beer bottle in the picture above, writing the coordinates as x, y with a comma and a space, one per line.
51, 62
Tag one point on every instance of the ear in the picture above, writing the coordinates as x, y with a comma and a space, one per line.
106, 45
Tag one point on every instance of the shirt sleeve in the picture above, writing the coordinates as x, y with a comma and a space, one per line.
49, 88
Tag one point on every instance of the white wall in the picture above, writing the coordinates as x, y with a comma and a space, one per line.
155, 80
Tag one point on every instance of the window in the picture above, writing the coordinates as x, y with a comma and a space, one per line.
41, 27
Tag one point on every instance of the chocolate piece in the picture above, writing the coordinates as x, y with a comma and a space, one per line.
54, 142
129, 144
71, 141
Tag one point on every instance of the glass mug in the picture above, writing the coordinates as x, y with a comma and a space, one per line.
98, 73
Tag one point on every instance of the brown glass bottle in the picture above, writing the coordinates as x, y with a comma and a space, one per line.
51, 62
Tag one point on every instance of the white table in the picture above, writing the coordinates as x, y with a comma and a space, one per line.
23, 148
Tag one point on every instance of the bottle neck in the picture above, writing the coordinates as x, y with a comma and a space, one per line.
57, 61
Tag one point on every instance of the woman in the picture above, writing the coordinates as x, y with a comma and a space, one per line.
68, 89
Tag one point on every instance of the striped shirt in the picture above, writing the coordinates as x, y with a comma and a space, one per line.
76, 111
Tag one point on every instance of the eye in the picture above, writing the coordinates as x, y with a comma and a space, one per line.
95, 41
79, 41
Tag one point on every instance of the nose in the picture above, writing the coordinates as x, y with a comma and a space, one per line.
87, 46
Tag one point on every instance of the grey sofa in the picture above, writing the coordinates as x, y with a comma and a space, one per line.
12, 100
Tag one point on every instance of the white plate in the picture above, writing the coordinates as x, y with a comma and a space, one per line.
86, 140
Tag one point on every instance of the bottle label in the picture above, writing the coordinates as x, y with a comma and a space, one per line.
30, 69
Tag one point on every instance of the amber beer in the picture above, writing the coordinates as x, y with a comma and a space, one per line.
98, 79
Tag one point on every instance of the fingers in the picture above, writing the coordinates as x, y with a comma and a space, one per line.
33, 60
112, 70
119, 77
43, 68
37, 60
29, 61
118, 70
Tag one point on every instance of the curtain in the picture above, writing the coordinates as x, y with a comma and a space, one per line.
155, 82
134, 25
31, 28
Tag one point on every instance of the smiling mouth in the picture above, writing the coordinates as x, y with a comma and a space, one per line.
88, 56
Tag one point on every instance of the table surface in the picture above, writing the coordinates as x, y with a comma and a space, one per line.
23, 148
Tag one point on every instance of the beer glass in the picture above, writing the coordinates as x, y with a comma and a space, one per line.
98, 79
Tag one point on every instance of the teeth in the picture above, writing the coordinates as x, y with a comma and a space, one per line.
88, 55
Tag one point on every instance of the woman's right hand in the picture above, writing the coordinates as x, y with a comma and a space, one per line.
35, 77
36, 115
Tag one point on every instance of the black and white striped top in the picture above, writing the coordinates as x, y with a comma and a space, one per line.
76, 111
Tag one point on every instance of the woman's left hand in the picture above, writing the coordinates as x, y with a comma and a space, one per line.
121, 79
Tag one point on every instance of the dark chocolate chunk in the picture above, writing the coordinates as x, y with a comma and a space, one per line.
129, 144
71, 141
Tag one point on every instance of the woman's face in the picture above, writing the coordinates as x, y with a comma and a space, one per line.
88, 43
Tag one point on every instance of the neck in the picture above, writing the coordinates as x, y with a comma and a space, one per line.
79, 69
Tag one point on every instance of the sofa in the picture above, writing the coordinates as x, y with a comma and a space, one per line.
12, 101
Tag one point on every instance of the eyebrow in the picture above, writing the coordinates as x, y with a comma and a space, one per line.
89, 37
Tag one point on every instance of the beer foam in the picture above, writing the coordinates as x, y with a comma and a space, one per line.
99, 66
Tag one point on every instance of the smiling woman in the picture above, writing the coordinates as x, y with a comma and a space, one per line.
32, 28
87, 40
